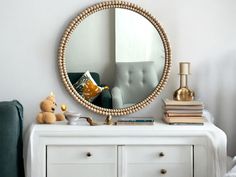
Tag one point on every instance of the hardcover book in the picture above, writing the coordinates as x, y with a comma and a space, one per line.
184, 120
135, 121
183, 115
182, 103
184, 111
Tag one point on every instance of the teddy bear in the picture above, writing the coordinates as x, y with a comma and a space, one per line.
47, 115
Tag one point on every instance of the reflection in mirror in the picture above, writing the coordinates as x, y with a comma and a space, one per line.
123, 53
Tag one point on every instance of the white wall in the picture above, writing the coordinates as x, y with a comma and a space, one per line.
202, 32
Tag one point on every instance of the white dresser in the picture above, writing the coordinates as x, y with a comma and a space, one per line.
125, 151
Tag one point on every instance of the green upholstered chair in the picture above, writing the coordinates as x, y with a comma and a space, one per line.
11, 158
104, 99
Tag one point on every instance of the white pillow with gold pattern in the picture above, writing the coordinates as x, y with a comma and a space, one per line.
87, 87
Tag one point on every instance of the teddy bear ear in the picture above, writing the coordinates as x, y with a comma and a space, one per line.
51, 98
41, 105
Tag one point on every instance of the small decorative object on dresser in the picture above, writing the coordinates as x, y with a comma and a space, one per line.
47, 115
72, 117
184, 93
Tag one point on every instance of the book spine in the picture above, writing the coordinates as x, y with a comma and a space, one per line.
184, 103
196, 108
135, 121
182, 115
183, 112
183, 120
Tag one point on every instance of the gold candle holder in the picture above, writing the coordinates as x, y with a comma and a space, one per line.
183, 93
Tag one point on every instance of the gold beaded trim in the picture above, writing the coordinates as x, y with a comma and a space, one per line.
67, 34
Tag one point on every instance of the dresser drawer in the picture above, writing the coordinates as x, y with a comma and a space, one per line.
160, 170
82, 170
156, 154
81, 154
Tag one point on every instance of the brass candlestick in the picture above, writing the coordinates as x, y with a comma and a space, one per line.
184, 93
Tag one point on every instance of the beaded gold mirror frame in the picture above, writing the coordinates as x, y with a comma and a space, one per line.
62, 61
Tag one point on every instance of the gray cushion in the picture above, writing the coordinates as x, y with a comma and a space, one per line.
134, 82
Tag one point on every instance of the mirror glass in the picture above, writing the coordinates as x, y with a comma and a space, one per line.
122, 51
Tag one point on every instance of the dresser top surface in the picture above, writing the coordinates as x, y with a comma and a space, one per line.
111, 130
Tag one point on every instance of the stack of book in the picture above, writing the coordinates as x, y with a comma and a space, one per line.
183, 112
135, 121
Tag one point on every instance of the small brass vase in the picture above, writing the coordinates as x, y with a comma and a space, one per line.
183, 93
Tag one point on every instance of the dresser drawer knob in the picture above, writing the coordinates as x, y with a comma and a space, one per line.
88, 154
163, 171
161, 154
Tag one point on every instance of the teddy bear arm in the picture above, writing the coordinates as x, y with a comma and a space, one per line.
60, 117
40, 118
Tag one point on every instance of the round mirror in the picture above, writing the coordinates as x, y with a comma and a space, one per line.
114, 58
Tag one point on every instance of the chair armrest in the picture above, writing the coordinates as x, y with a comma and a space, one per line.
11, 148
117, 101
